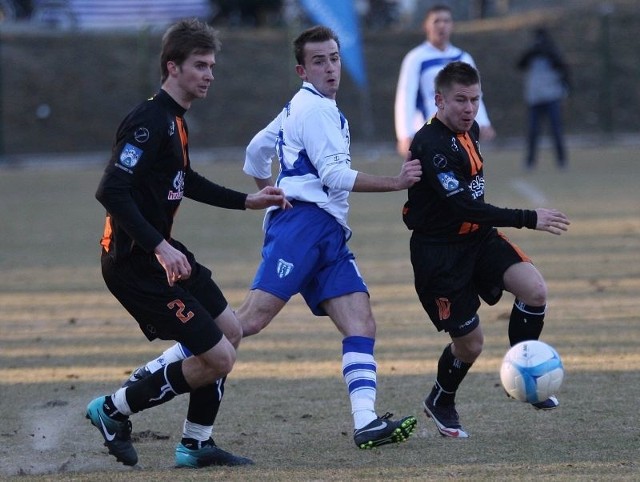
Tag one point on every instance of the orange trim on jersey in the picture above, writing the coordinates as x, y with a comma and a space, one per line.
467, 228
476, 164
184, 141
105, 241
467, 143
522, 254
444, 308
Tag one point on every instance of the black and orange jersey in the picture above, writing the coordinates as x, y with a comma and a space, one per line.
448, 202
148, 175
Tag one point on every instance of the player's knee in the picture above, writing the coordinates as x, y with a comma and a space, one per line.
226, 363
219, 363
536, 294
526, 283
472, 350
469, 347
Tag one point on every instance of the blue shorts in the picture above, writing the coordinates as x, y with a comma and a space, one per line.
305, 251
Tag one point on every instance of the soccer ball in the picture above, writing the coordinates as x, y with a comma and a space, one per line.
531, 371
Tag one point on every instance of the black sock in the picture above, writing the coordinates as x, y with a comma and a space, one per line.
451, 372
158, 388
111, 410
204, 403
194, 444
525, 322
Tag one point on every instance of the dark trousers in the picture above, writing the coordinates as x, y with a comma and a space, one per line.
553, 112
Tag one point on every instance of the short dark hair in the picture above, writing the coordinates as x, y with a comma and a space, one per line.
319, 33
456, 73
439, 7
184, 38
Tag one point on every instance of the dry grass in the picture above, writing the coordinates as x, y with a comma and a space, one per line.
64, 340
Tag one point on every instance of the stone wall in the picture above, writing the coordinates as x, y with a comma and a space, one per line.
66, 92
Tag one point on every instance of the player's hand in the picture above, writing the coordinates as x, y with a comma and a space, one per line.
267, 196
174, 262
410, 173
552, 221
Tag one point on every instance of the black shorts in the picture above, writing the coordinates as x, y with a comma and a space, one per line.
452, 277
184, 312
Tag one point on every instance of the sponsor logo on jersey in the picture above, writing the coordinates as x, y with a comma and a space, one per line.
284, 268
141, 135
448, 181
178, 186
477, 187
130, 155
439, 161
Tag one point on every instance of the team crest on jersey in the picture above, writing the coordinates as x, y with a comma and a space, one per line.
454, 144
130, 155
172, 128
448, 181
284, 268
439, 161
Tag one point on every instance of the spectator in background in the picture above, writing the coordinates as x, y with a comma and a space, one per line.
415, 93
546, 84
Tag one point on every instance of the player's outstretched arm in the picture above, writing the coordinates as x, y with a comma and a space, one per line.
552, 221
410, 173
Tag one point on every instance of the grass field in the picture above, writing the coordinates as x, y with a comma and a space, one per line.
65, 340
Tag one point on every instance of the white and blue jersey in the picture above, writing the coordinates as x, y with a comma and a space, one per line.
311, 140
415, 93
305, 248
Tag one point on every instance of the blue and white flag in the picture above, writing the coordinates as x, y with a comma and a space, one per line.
341, 17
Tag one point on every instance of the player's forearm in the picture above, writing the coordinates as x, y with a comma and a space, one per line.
371, 183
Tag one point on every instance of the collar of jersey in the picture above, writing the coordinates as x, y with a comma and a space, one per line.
309, 86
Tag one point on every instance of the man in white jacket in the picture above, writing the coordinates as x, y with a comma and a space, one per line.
415, 93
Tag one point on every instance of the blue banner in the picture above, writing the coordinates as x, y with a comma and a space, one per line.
341, 17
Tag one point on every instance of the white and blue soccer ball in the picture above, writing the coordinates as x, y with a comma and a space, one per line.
531, 371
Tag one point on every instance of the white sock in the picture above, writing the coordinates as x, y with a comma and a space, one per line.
202, 433
359, 371
120, 402
172, 354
